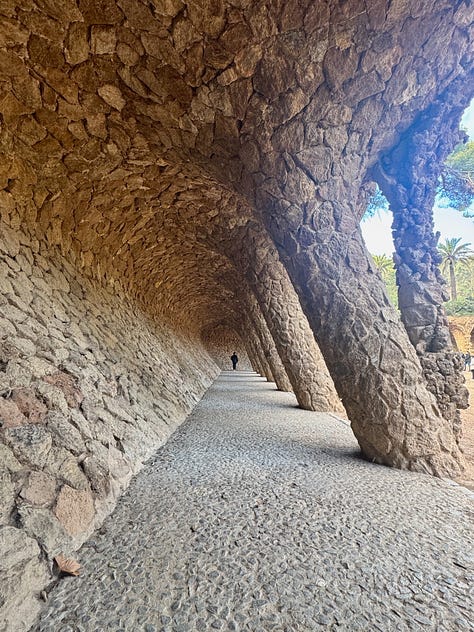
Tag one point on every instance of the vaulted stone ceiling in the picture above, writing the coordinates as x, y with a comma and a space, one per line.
123, 117
173, 147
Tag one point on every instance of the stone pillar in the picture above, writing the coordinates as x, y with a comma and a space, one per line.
408, 176
268, 344
257, 355
289, 328
375, 368
252, 356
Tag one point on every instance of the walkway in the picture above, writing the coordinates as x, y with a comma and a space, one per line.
259, 516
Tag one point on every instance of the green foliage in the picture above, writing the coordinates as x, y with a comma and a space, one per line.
464, 304
386, 269
463, 270
453, 255
457, 179
377, 203
461, 307
465, 276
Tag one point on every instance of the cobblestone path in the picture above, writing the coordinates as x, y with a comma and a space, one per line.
259, 516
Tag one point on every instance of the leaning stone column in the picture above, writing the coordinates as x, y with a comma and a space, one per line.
251, 353
375, 368
268, 345
261, 364
289, 328
408, 176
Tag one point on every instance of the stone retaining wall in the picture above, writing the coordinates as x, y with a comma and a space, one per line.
89, 389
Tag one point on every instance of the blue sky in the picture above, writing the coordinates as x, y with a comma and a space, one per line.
450, 223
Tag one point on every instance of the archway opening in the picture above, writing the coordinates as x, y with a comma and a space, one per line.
453, 222
221, 341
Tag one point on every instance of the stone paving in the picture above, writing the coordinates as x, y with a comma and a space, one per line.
259, 516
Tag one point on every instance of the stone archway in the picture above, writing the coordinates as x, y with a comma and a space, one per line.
159, 161
462, 329
221, 341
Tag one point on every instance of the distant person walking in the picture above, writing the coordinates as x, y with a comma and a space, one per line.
234, 359
467, 361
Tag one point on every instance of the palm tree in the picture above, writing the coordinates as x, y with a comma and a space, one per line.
468, 275
452, 253
383, 264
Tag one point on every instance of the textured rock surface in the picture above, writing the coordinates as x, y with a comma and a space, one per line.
257, 323
159, 161
409, 175
22, 573
89, 388
260, 516
135, 133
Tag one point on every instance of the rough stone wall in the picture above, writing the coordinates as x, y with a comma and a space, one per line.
89, 388
130, 127
221, 342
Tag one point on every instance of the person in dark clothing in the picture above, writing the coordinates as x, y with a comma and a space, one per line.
467, 361
234, 359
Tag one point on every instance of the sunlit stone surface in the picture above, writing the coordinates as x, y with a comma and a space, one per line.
170, 168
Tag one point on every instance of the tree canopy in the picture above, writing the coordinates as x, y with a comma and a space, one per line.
453, 253
457, 179
456, 184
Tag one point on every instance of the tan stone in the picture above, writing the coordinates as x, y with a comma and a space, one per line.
8, 460
10, 414
127, 54
103, 40
32, 407
68, 386
7, 495
30, 443
39, 490
112, 96
74, 510
77, 45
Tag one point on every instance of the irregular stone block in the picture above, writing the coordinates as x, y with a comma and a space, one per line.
98, 476
22, 574
74, 510
106, 12
39, 490
103, 40
32, 407
30, 444
7, 495
81, 423
10, 415
62, 465
68, 384
9, 241
15, 548
42, 525
77, 46
39, 368
64, 433
112, 96
8, 459
54, 397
